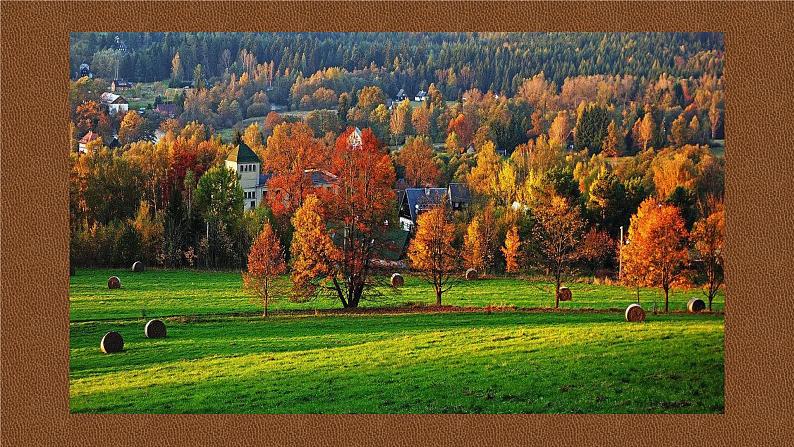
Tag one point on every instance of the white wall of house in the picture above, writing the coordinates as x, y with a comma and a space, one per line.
115, 109
247, 173
406, 224
248, 176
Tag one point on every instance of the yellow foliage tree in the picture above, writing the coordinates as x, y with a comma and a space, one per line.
253, 138
153, 159
559, 130
512, 250
674, 168
506, 184
473, 249
416, 156
479, 242
483, 177
452, 144
150, 229
431, 252
313, 252
647, 130
131, 128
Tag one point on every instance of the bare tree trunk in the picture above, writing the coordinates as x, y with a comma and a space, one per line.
339, 292
557, 292
666, 299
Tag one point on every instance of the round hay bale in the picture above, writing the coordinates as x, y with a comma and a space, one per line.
111, 342
154, 329
471, 274
397, 280
634, 313
565, 294
695, 305
114, 282
137, 266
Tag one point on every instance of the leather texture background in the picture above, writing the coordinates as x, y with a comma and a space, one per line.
34, 235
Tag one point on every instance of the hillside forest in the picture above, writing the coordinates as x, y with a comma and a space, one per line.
566, 142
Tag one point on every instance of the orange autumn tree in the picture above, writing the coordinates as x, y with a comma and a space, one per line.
357, 212
709, 236
512, 250
360, 207
657, 253
463, 126
290, 151
313, 252
190, 151
431, 253
416, 156
557, 236
265, 264
420, 119
90, 116
598, 248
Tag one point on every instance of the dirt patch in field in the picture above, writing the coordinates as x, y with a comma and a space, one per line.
415, 309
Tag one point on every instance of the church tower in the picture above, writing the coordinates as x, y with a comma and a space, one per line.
246, 164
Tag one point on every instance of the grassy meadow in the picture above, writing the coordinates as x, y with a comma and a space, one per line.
164, 293
221, 357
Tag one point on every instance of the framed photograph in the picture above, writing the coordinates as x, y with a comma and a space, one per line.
392, 223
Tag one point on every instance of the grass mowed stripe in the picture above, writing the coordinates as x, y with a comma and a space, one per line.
162, 293
508, 362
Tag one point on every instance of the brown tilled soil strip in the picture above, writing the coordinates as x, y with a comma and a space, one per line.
396, 310
416, 310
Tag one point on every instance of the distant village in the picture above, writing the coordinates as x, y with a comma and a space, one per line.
246, 163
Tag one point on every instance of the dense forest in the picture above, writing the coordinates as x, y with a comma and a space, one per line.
455, 62
601, 129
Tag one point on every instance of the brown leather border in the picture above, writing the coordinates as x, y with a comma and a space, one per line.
34, 232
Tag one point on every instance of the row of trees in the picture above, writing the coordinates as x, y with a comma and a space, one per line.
172, 203
661, 252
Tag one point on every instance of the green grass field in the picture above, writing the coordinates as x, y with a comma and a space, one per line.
227, 133
451, 362
163, 293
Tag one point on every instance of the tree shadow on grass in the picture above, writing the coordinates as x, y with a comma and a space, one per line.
233, 337
466, 374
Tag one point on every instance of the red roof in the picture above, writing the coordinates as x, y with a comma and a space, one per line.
89, 137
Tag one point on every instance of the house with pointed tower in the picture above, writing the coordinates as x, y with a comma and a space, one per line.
247, 165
